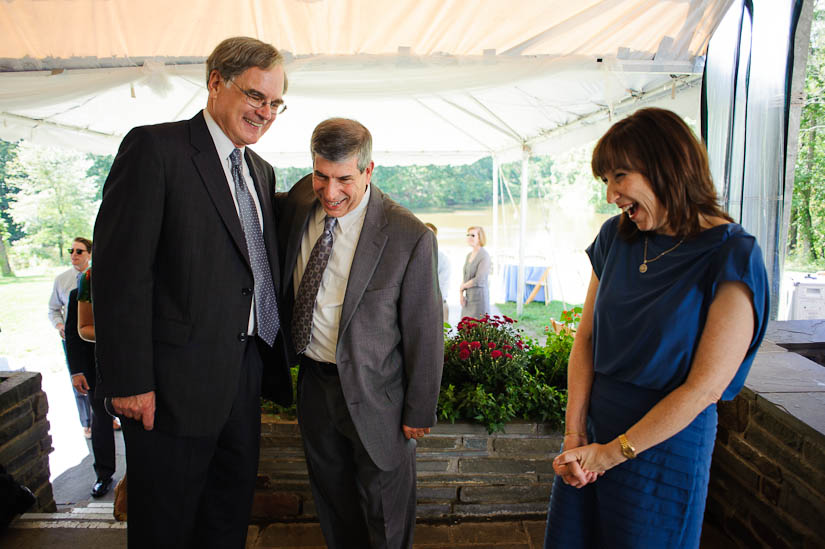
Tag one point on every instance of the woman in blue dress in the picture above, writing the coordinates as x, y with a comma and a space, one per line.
675, 311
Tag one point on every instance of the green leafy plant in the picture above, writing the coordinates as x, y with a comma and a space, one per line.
571, 318
492, 375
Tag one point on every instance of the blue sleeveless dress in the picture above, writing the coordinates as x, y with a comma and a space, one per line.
646, 329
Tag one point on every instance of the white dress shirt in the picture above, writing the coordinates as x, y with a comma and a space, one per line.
326, 315
63, 286
225, 147
443, 275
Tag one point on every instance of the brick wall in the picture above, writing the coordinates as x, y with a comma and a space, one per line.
767, 486
25, 442
462, 472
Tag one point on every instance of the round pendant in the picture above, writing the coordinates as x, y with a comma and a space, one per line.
643, 268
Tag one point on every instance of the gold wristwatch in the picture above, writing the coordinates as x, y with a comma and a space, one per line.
628, 451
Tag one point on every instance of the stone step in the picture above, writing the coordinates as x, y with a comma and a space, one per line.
277, 477
96, 515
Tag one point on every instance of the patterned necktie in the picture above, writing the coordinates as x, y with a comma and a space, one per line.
266, 307
308, 288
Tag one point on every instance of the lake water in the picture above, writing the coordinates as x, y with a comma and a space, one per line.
557, 234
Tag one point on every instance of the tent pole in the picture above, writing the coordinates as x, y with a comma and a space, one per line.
495, 205
522, 231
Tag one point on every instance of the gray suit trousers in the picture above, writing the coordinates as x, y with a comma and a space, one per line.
358, 504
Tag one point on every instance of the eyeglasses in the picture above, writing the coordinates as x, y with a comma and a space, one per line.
78, 251
254, 99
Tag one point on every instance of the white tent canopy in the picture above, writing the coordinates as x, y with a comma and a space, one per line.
435, 81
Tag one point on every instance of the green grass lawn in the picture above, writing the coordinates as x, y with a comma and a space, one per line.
535, 316
27, 338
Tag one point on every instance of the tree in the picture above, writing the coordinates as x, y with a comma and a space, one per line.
5, 264
806, 239
55, 199
99, 170
8, 229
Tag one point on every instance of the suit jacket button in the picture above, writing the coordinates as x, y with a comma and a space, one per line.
246, 291
242, 337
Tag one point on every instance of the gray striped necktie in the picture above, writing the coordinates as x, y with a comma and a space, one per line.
308, 288
266, 306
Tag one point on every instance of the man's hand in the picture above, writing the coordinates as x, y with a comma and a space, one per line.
414, 432
80, 385
61, 329
139, 407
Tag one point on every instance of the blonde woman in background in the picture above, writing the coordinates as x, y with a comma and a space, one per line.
474, 291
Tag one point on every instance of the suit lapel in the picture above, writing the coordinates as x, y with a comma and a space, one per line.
214, 178
305, 202
367, 253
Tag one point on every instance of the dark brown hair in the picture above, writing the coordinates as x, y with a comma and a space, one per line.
85, 241
658, 144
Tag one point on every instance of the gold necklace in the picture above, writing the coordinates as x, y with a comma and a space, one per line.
645, 261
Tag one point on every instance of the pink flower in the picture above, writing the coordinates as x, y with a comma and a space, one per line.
508, 355
464, 354
506, 347
491, 345
475, 345
463, 344
496, 354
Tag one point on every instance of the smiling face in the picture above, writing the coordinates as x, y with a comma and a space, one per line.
633, 194
339, 186
242, 123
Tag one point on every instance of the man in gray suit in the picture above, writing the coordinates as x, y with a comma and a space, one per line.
364, 311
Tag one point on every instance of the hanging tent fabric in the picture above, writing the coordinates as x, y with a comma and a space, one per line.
436, 82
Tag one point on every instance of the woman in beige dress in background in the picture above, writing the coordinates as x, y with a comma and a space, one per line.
475, 291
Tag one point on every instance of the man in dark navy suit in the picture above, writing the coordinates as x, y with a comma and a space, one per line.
186, 274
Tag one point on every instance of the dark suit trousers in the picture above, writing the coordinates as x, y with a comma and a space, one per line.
81, 401
359, 505
196, 492
103, 439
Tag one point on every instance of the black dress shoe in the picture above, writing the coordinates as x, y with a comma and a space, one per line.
101, 487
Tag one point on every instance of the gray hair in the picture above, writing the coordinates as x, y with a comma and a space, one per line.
234, 55
337, 139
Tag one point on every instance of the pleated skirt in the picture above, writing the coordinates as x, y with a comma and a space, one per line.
654, 501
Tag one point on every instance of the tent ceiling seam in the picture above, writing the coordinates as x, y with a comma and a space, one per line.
640, 97
517, 138
495, 115
46, 122
462, 130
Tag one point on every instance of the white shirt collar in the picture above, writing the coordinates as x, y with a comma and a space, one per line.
222, 143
